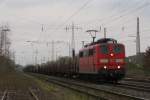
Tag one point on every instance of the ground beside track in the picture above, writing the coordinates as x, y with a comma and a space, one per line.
137, 72
18, 84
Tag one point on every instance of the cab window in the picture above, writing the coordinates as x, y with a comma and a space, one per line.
85, 53
91, 51
104, 49
118, 49
81, 54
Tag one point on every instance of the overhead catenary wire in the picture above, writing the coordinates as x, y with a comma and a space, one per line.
112, 19
115, 19
74, 14
120, 11
133, 11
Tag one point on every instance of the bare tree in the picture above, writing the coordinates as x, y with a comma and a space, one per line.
147, 60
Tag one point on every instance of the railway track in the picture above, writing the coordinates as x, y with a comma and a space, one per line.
137, 80
18, 95
32, 93
135, 84
3, 95
134, 87
94, 90
140, 83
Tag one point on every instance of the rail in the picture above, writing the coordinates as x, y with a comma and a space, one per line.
134, 87
93, 91
35, 97
137, 80
4, 97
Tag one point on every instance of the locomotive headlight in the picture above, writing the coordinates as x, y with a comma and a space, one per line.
104, 60
118, 67
119, 60
111, 54
105, 67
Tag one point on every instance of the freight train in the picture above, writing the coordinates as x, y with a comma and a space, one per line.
100, 60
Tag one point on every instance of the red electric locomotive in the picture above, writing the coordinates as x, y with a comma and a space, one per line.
104, 59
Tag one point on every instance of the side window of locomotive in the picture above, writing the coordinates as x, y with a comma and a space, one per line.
118, 49
85, 53
81, 54
104, 49
91, 51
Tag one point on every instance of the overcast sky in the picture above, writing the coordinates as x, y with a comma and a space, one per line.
45, 20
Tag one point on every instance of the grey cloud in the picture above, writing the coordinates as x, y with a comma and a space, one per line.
28, 3
26, 17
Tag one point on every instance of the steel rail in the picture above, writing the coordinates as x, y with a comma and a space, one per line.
93, 91
33, 94
134, 87
4, 97
137, 80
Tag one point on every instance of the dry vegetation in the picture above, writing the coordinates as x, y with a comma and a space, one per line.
10, 79
142, 70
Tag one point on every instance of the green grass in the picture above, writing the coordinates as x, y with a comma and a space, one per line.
41, 81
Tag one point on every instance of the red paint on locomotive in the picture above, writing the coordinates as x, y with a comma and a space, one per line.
105, 58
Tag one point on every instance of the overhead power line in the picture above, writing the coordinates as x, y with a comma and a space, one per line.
125, 14
120, 11
132, 11
75, 13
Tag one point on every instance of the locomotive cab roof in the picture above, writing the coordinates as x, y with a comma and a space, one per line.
106, 40
101, 41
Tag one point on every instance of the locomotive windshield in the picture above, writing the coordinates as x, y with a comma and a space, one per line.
104, 49
118, 49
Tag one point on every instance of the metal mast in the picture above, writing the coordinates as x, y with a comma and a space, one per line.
73, 27
138, 38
